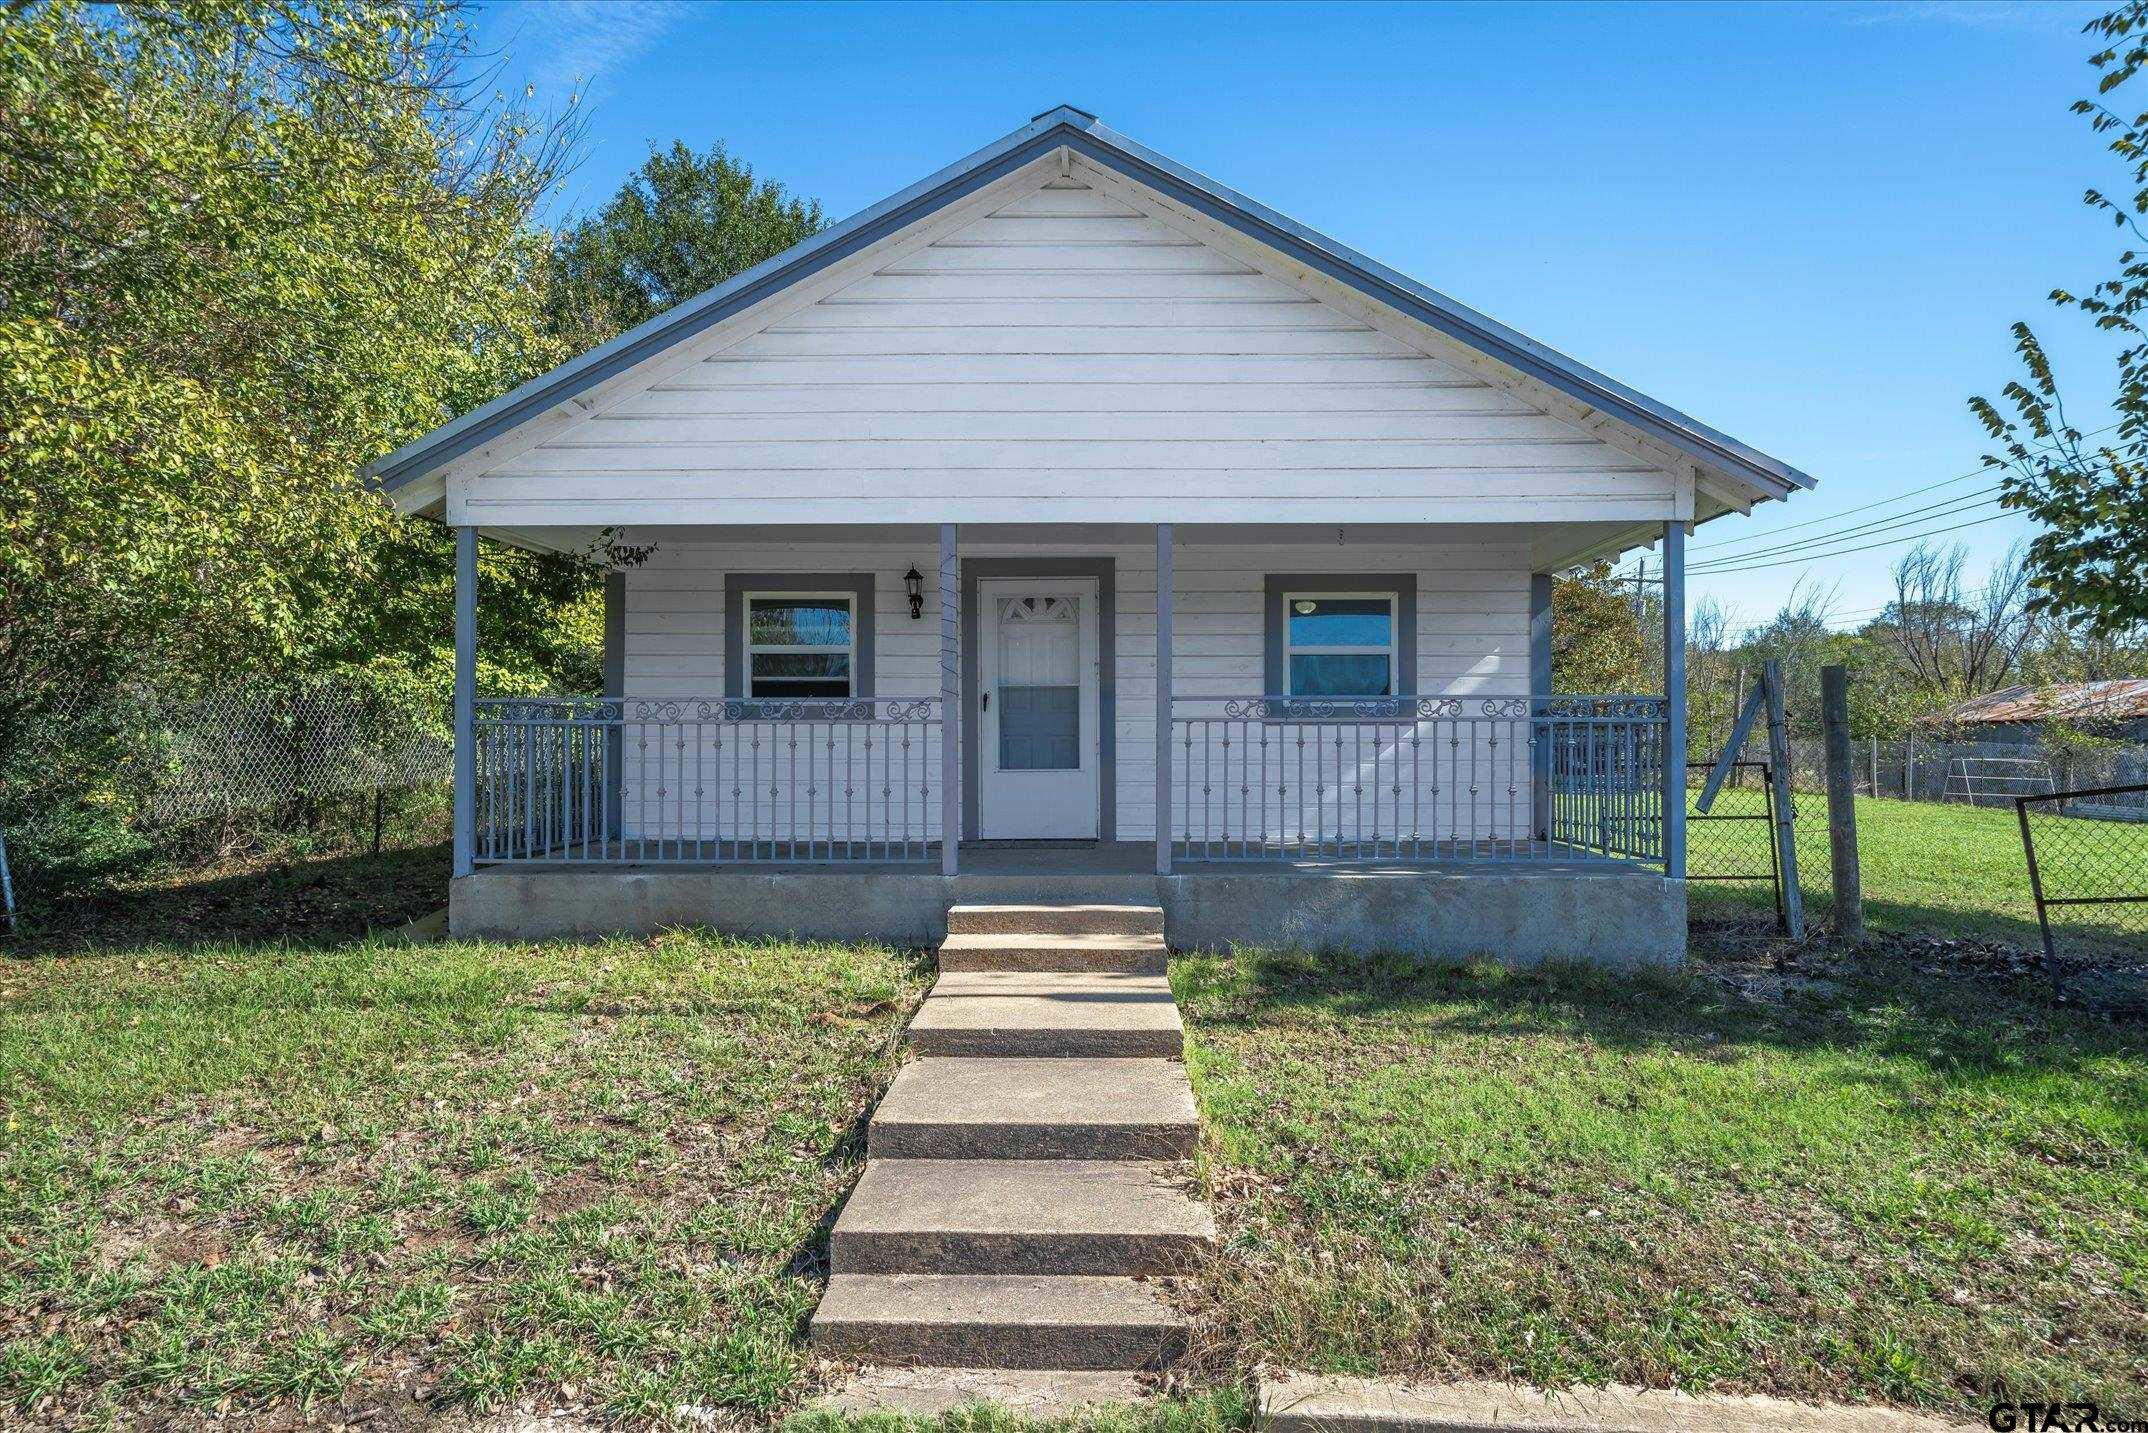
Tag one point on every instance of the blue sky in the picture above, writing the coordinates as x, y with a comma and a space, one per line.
1808, 225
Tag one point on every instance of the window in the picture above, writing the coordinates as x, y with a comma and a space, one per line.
1339, 644
1339, 636
800, 645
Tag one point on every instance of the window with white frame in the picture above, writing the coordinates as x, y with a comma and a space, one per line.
1339, 644
801, 645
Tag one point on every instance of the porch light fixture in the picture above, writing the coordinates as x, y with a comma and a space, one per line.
913, 582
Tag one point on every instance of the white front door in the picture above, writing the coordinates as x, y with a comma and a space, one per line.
1038, 744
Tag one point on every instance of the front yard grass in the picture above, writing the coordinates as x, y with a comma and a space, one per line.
1917, 1191
1931, 870
370, 1179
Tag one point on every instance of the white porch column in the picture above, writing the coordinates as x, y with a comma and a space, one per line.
1540, 632
1163, 698
1674, 692
465, 700
951, 713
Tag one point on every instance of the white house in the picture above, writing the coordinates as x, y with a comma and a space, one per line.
1070, 497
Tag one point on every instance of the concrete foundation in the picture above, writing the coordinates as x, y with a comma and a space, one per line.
1617, 919
1623, 919
903, 908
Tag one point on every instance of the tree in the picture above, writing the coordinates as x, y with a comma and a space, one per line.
246, 246
1599, 639
2091, 498
681, 224
1951, 642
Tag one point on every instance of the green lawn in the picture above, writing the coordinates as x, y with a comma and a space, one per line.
1929, 869
252, 1160
1917, 1191
409, 1181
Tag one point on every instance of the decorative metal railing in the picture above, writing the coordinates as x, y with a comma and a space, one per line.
1417, 778
677, 780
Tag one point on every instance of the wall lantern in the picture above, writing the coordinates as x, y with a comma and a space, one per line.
913, 582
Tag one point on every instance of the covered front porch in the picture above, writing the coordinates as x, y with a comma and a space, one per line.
1459, 806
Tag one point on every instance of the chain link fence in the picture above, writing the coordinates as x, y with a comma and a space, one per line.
279, 754
119, 782
1733, 843
2084, 821
1982, 773
2087, 868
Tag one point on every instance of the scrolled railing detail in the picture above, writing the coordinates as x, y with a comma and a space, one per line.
687, 779
1417, 779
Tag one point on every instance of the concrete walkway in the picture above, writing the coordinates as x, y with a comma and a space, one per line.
1026, 1198
1328, 1403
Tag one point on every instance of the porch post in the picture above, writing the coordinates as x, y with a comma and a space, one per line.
465, 700
615, 691
1539, 689
1163, 698
1674, 692
951, 713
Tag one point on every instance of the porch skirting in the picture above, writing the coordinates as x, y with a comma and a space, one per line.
1614, 919
1622, 919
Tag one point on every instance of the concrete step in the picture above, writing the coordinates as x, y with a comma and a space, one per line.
1064, 1014
1062, 1321
1033, 1395
1054, 918
1046, 950
944, 1108
1020, 1216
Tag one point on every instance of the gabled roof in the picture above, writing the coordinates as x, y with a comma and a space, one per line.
1079, 131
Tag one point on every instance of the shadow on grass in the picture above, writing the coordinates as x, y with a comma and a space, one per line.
1962, 1029
324, 899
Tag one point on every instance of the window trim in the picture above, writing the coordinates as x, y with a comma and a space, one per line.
740, 587
752, 648
1280, 587
1389, 650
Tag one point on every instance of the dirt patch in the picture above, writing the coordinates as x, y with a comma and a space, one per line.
260, 899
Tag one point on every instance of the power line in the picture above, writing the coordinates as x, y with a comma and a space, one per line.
1883, 502
1846, 551
1951, 507
1908, 514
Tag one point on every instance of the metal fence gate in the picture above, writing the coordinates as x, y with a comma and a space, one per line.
2088, 859
1736, 840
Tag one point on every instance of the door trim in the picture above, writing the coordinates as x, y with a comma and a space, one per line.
975, 569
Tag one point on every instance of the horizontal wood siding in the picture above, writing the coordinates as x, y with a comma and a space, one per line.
1472, 639
1062, 353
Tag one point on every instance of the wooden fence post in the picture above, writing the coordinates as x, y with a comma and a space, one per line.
1771, 674
1841, 804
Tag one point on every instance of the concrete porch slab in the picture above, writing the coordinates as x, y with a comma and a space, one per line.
1603, 915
